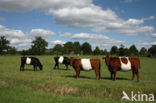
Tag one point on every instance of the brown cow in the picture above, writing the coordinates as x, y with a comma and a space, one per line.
124, 64
86, 64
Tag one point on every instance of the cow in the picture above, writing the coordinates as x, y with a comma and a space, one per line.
115, 64
86, 65
30, 61
61, 60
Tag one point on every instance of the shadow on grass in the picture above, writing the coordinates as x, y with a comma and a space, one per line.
117, 78
74, 76
61, 69
102, 78
25, 69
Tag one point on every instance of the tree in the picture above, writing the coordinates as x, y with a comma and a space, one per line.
68, 47
4, 45
152, 50
97, 51
133, 50
39, 46
143, 51
12, 50
127, 52
86, 48
114, 50
121, 50
77, 47
105, 52
58, 49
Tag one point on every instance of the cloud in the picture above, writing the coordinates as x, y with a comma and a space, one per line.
83, 17
130, 1
81, 14
42, 5
153, 35
97, 40
16, 37
66, 34
56, 42
41, 32
130, 27
22, 40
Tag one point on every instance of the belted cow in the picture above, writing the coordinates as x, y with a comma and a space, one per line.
86, 65
61, 60
30, 61
115, 64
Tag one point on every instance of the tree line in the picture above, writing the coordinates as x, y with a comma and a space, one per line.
39, 45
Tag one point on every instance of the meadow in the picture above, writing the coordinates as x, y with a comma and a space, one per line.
37, 87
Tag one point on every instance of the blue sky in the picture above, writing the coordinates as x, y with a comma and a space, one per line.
102, 23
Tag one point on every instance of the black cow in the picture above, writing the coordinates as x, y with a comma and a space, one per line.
61, 60
30, 61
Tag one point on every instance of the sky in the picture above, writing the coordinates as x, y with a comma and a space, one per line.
102, 23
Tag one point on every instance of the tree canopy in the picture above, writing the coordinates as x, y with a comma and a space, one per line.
4, 45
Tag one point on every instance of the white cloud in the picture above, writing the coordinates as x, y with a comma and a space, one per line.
129, 27
133, 21
41, 32
83, 17
66, 34
22, 40
130, 1
16, 37
42, 5
81, 13
97, 40
56, 42
153, 35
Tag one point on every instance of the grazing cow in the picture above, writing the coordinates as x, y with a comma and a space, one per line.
30, 61
124, 64
86, 64
61, 60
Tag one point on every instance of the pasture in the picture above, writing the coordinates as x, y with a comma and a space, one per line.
36, 87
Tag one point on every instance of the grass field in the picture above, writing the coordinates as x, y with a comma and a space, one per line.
37, 87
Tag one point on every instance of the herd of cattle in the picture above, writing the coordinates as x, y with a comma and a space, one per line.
114, 64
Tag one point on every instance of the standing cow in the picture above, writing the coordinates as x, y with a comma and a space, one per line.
30, 61
61, 60
86, 64
115, 64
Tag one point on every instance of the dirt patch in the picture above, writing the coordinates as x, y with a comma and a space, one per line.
3, 83
65, 90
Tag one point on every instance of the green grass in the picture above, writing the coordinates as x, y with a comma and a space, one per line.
37, 87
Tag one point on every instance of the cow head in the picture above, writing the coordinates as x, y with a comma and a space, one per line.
107, 58
41, 67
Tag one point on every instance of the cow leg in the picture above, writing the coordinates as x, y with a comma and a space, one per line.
114, 75
133, 74
55, 65
22, 67
66, 67
35, 67
137, 74
77, 73
111, 75
97, 71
